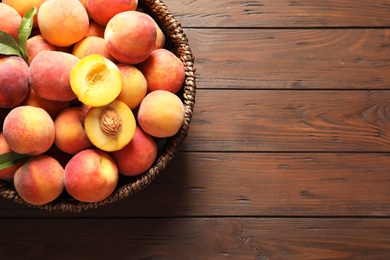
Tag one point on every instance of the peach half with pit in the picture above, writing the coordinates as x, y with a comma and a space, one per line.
70, 133
96, 80
161, 113
29, 130
39, 180
110, 127
90, 175
14, 85
50, 75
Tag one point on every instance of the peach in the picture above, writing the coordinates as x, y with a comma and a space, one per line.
90, 176
39, 180
10, 20
160, 37
63, 23
8, 173
137, 156
96, 80
50, 106
14, 86
163, 70
102, 11
23, 6
50, 75
70, 134
29, 130
91, 45
161, 113
134, 87
95, 29
37, 44
110, 127
130, 36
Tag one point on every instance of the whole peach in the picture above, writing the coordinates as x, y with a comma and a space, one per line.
70, 134
29, 130
23, 6
91, 45
10, 20
95, 29
8, 173
130, 36
134, 85
50, 75
163, 70
37, 44
91, 175
63, 23
137, 156
102, 11
39, 180
14, 86
160, 37
161, 113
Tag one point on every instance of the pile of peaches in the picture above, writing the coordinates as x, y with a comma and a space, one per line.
89, 101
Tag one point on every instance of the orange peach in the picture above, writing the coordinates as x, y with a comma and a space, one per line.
161, 113
29, 130
160, 37
91, 45
70, 134
102, 11
50, 106
137, 156
134, 86
8, 173
63, 23
95, 29
110, 127
14, 86
130, 36
37, 44
96, 80
50, 75
163, 71
10, 20
90, 176
39, 180
23, 6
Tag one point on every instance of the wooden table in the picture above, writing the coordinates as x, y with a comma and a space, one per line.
288, 153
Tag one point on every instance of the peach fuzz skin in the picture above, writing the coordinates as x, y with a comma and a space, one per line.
63, 23
90, 176
37, 44
50, 75
130, 37
102, 11
39, 180
10, 20
70, 134
137, 156
14, 85
163, 71
29, 130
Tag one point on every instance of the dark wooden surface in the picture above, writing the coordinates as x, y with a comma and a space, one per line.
288, 153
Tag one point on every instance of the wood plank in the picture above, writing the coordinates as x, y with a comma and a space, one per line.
281, 13
291, 59
253, 184
290, 120
195, 238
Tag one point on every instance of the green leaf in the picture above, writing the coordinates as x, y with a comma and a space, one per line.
25, 31
10, 159
8, 45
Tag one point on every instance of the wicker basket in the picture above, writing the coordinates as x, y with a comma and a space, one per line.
176, 42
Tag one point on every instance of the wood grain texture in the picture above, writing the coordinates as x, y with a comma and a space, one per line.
281, 13
254, 184
196, 238
290, 120
291, 59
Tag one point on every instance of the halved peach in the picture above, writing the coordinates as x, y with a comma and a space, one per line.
110, 127
96, 80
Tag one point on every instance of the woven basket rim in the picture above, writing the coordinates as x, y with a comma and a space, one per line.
180, 47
